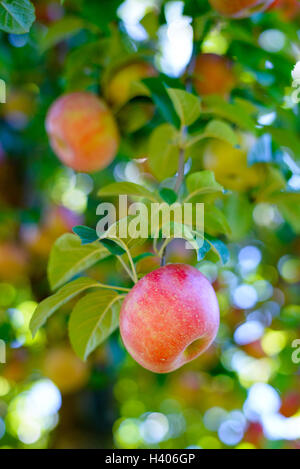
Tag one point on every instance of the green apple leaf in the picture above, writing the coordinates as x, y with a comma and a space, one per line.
163, 152
158, 90
92, 320
61, 30
128, 188
69, 257
186, 105
222, 131
215, 221
16, 16
233, 112
219, 248
86, 234
238, 213
202, 182
51, 304
168, 195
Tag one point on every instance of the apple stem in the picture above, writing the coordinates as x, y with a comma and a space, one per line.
163, 257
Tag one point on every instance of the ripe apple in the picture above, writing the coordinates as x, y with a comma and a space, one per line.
239, 8
118, 90
213, 74
230, 165
169, 318
82, 131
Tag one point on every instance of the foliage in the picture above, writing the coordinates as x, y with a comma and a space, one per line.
165, 128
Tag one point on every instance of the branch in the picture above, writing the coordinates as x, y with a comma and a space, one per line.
180, 174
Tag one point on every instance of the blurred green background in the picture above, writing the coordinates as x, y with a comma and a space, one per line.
244, 392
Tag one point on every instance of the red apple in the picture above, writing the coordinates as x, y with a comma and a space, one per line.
169, 318
213, 74
82, 131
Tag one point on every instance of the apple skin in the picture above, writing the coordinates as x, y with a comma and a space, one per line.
213, 74
239, 8
169, 318
82, 132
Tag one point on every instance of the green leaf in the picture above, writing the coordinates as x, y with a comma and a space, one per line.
233, 112
219, 248
112, 247
158, 89
290, 209
222, 131
274, 183
150, 23
202, 182
286, 138
163, 152
186, 105
238, 213
87, 235
168, 195
92, 320
101, 13
61, 30
16, 16
68, 258
51, 304
142, 256
204, 248
82, 58
128, 188
216, 222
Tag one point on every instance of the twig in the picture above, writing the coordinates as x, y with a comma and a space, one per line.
180, 174
126, 268
113, 287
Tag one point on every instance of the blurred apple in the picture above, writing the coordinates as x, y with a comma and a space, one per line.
82, 131
213, 74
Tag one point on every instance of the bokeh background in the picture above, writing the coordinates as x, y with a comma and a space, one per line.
245, 391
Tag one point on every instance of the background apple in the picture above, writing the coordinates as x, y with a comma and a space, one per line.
82, 132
